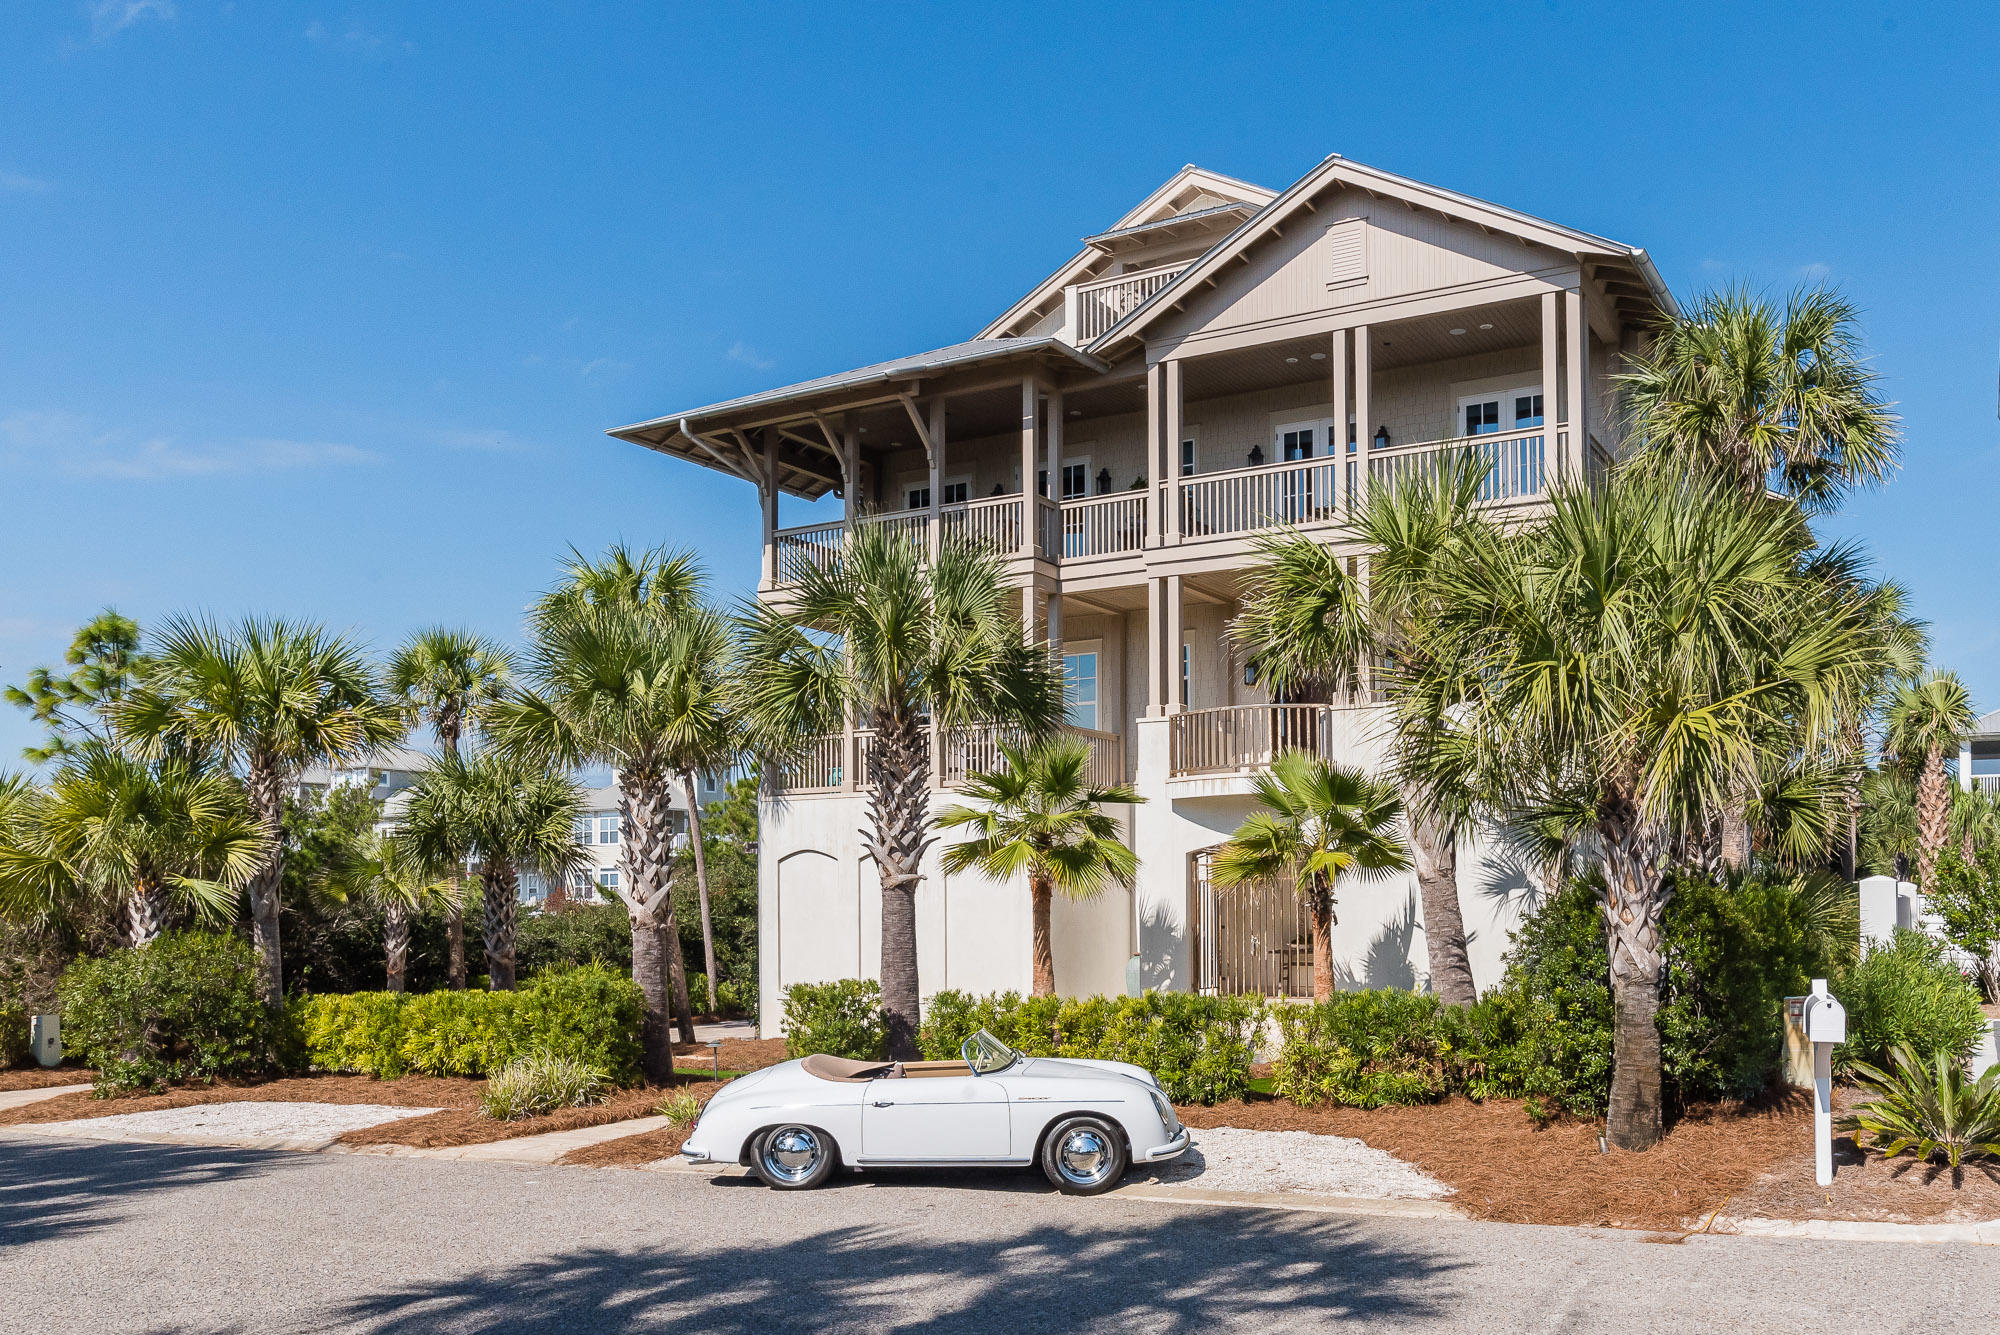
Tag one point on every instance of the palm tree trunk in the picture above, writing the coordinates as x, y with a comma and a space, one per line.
1434, 847
899, 776
1320, 904
1933, 813
454, 909
265, 787
645, 858
701, 889
1040, 893
396, 942
146, 911
502, 890
1635, 896
1735, 841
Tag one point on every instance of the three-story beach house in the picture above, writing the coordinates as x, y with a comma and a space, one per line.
1221, 360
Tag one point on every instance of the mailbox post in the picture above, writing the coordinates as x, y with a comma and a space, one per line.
1826, 1025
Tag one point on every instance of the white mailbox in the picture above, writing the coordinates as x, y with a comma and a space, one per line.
1826, 1019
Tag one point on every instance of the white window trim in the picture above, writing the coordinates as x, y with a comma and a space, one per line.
1322, 434
1190, 435
1503, 388
1089, 647
955, 480
1070, 461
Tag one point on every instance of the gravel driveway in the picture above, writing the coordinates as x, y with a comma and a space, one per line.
1227, 1159
293, 1125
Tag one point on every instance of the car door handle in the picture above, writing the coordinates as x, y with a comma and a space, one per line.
883, 1103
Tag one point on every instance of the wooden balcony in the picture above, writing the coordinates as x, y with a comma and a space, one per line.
1093, 308
838, 763
1239, 739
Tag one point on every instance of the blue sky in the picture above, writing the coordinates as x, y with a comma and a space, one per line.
324, 310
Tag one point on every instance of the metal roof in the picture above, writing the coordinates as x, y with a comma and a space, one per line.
1139, 229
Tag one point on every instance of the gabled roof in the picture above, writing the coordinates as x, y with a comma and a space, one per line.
1336, 172
1987, 725
1190, 183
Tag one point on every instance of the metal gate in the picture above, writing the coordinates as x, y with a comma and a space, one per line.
1253, 938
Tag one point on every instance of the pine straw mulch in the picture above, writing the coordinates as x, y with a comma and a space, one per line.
35, 1077
413, 1091
646, 1147
1502, 1166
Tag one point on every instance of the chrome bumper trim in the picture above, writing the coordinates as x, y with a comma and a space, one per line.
1173, 1149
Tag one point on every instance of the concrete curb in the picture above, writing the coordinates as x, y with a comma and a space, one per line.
77, 1130
545, 1148
1985, 1234
1395, 1207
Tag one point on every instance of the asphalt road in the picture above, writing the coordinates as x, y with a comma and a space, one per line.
108, 1238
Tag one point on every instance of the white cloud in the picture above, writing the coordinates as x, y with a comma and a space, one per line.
1816, 272
111, 17
353, 40
27, 185
739, 351
70, 445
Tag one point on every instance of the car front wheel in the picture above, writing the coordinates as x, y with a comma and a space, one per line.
793, 1158
1084, 1156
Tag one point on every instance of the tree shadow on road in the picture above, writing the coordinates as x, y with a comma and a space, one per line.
1185, 1272
48, 1188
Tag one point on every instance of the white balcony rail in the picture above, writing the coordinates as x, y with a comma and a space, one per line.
1102, 304
1103, 525
1238, 738
1243, 500
1516, 462
839, 762
1986, 783
800, 549
994, 522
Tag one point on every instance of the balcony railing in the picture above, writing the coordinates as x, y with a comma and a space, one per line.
1986, 783
1516, 462
1103, 525
1243, 500
1240, 738
839, 762
1102, 304
994, 522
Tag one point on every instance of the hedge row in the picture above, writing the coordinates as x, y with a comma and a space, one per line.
1200, 1048
590, 1014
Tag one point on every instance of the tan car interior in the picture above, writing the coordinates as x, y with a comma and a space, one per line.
854, 1072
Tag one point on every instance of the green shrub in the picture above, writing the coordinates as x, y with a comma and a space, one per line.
540, 1083
1733, 951
574, 935
183, 1008
1384, 1046
13, 1033
841, 1019
590, 1015
1200, 1048
733, 997
680, 1108
1906, 994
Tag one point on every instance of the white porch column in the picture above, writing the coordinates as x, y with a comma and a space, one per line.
934, 526
767, 494
1577, 410
1030, 402
1054, 431
1159, 482
1176, 636
1170, 472
1156, 630
1337, 365
1364, 428
1552, 415
1055, 620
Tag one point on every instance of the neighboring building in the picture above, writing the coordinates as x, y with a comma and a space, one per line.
388, 773
1221, 360
1979, 755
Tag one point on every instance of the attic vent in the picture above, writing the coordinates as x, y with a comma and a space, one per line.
1346, 252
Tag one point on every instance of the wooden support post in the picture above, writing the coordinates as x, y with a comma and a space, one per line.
1176, 641
767, 494
1030, 403
1577, 410
1338, 447
1364, 430
934, 526
1159, 482
1170, 472
1156, 630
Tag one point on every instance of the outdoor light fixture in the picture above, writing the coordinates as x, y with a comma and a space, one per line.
1486, 326
1291, 361
1103, 481
1456, 332
1381, 437
1256, 455
1319, 356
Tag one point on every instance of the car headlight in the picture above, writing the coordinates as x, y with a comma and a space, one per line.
1166, 1110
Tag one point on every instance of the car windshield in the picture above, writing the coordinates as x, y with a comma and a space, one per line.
986, 1054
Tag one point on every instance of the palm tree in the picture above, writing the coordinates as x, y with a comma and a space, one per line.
1621, 671
510, 814
1889, 821
270, 697
1311, 630
104, 660
619, 673
903, 646
1320, 822
1766, 396
384, 872
1928, 718
149, 834
1975, 820
1042, 816
445, 677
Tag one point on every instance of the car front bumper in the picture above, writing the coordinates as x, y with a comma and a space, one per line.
695, 1156
1173, 1149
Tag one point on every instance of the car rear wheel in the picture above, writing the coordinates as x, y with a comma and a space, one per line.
1084, 1156
793, 1158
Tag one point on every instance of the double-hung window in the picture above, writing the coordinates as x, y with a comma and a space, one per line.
1080, 685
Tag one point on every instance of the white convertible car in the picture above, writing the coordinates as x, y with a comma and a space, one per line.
1083, 1121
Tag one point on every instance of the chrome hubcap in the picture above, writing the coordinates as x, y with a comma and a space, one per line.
792, 1153
1084, 1157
